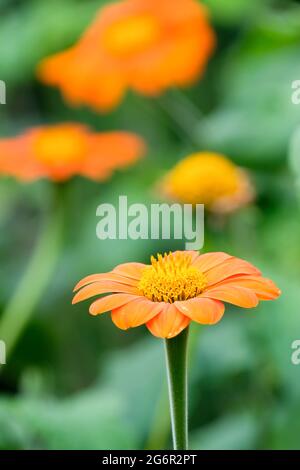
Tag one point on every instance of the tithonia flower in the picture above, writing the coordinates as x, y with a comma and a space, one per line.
174, 290
61, 151
210, 179
145, 45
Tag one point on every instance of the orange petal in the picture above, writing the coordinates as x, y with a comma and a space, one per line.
131, 270
109, 151
265, 289
104, 277
230, 267
169, 323
210, 260
111, 302
103, 287
240, 296
108, 95
135, 313
202, 310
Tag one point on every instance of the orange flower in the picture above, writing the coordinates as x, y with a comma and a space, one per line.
211, 179
61, 151
175, 289
146, 45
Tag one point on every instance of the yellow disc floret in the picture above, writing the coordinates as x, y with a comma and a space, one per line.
60, 145
204, 178
171, 277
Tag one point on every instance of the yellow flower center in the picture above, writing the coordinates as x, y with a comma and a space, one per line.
60, 145
203, 178
170, 278
131, 35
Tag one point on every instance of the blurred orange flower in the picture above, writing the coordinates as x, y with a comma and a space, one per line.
175, 289
61, 151
146, 45
211, 179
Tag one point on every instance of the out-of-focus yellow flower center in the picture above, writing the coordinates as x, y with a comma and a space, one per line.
60, 146
203, 178
131, 35
171, 278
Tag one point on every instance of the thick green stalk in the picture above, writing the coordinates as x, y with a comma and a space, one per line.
176, 362
29, 292
160, 427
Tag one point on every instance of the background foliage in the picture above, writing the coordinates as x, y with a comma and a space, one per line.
79, 383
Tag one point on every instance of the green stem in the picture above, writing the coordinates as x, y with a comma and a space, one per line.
8, 197
22, 305
160, 427
184, 114
176, 362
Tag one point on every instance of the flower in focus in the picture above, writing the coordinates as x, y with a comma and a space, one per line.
175, 289
61, 151
146, 45
210, 179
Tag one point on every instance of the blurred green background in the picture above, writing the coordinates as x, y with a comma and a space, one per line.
76, 382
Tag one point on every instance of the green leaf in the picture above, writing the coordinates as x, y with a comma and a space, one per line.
139, 373
90, 421
233, 432
230, 354
255, 117
231, 12
37, 31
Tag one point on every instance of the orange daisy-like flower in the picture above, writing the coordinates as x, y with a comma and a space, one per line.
175, 289
61, 151
211, 179
146, 45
